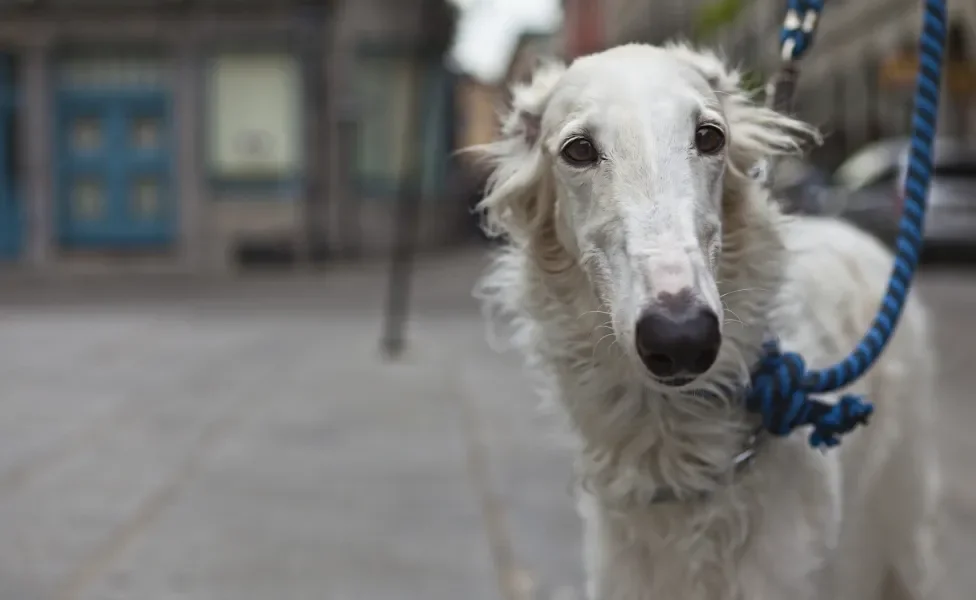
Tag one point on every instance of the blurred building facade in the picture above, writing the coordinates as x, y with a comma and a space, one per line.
636, 21
858, 78
481, 103
170, 134
585, 23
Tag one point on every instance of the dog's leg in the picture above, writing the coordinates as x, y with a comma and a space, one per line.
594, 551
906, 500
621, 565
796, 527
790, 575
913, 490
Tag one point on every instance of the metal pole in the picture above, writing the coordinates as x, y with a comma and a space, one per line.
872, 102
316, 24
840, 109
348, 213
408, 211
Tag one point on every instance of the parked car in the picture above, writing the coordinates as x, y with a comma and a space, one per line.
869, 189
864, 191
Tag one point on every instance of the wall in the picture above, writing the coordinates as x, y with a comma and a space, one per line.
583, 27
271, 203
479, 105
531, 50
651, 21
362, 216
188, 38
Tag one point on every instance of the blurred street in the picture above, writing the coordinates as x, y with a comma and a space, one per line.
244, 440
173, 430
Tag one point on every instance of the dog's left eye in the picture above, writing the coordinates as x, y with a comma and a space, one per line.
709, 139
580, 152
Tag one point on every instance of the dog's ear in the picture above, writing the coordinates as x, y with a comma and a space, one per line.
755, 132
518, 199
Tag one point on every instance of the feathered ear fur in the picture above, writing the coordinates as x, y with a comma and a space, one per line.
756, 131
519, 199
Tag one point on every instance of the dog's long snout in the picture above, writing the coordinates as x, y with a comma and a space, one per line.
678, 337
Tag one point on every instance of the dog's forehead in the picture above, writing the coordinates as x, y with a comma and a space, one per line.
632, 78
635, 67
609, 104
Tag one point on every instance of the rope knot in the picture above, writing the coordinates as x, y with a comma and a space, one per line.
779, 395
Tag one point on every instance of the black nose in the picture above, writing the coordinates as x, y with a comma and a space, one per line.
678, 343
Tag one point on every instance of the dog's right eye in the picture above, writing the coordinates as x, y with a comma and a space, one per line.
709, 139
580, 152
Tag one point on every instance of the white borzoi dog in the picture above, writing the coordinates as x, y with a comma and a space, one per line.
642, 271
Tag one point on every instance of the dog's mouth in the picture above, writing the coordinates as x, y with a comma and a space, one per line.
676, 381
662, 371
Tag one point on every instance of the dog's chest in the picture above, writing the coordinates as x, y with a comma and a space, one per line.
735, 550
673, 556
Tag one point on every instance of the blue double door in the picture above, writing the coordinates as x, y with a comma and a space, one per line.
114, 169
11, 207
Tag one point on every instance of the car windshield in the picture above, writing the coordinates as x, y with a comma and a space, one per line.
966, 170
948, 174
885, 161
873, 163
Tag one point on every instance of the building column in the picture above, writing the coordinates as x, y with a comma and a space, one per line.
36, 110
872, 101
856, 107
841, 109
187, 109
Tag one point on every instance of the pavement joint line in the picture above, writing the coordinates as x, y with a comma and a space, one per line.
99, 561
512, 580
21, 474
75, 583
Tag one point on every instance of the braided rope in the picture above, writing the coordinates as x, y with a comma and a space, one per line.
802, 17
781, 386
796, 36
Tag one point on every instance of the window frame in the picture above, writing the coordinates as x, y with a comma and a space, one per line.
289, 180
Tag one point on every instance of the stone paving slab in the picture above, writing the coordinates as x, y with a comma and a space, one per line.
246, 441
347, 480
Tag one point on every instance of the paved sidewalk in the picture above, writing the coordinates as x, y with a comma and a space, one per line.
245, 441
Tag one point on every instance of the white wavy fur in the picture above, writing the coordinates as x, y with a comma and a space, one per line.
855, 523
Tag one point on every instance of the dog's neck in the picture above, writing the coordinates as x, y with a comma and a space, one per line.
642, 443
640, 440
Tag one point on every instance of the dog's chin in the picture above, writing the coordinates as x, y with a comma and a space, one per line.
667, 384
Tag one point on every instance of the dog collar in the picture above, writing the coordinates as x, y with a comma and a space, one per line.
740, 463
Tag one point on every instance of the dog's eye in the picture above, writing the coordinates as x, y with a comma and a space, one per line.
709, 139
580, 152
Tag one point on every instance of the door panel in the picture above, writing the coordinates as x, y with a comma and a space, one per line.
11, 209
114, 169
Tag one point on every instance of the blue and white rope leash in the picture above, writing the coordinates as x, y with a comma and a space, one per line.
782, 386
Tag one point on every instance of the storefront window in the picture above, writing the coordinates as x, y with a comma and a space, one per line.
254, 117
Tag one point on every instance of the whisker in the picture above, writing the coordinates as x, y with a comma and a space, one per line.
596, 346
743, 290
729, 310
